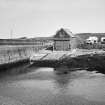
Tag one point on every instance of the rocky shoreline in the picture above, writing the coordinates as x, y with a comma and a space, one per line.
84, 59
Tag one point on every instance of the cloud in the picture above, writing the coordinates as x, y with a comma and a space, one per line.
88, 3
51, 5
45, 16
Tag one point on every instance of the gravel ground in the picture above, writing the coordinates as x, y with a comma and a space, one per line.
9, 101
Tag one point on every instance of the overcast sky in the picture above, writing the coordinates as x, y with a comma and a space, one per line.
35, 18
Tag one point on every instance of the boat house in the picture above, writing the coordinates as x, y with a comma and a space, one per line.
64, 40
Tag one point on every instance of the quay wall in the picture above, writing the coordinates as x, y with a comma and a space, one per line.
13, 54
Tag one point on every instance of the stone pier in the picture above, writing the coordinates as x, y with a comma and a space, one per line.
14, 54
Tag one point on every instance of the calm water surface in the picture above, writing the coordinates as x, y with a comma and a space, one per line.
44, 86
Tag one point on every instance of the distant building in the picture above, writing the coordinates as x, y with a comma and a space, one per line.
88, 37
103, 40
64, 40
92, 40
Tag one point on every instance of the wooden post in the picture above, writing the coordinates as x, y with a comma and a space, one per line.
53, 46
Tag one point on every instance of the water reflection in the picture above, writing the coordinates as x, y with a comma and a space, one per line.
62, 80
62, 69
55, 86
89, 85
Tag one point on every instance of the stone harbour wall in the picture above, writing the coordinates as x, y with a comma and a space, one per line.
12, 54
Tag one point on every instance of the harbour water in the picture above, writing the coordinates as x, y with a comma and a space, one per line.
44, 86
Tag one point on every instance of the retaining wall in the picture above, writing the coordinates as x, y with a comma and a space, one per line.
13, 54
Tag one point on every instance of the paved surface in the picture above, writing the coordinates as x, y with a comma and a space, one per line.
9, 101
56, 55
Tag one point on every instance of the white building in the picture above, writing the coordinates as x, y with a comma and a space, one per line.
103, 39
92, 40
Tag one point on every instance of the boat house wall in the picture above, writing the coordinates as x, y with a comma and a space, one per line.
64, 40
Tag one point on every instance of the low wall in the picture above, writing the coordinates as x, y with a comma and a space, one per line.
91, 46
13, 54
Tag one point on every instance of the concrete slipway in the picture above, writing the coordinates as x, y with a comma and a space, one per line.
76, 58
